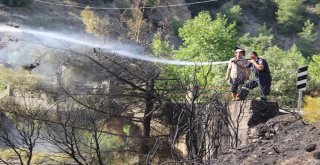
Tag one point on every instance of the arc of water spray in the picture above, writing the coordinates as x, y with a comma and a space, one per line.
106, 47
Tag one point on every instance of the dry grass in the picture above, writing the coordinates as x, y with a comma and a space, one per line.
311, 109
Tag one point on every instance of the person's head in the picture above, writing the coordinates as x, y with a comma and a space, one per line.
239, 53
253, 55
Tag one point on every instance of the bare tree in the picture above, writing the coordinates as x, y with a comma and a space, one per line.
78, 125
19, 128
201, 119
135, 81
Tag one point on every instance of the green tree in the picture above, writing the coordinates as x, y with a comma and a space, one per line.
205, 40
318, 8
160, 47
289, 14
176, 24
20, 80
259, 42
307, 38
138, 26
283, 66
233, 12
93, 23
308, 32
314, 70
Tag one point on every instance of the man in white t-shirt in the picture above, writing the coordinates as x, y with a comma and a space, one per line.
237, 72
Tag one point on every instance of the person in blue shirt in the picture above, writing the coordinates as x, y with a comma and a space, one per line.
262, 77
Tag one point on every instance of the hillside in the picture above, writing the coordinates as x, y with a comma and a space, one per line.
102, 71
66, 16
284, 140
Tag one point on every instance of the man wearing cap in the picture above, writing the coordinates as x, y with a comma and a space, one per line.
237, 73
262, 77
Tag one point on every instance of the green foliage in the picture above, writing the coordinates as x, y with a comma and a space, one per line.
127, 129
314, 73
106, 142
21, 80
138, 26
311, 111
260, 42
283, 66
151, 3
10, 155
16, 3
308, 32
42, 158
176, 25
3, 84
160, 47
93, 23
109, 142
235, 13
51, 158
232, 12
307, 38
204, 40
108, 145
289, 14
318, 8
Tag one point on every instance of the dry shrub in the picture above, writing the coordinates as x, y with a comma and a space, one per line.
311, 109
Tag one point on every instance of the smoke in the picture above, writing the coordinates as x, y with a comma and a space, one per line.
79, 41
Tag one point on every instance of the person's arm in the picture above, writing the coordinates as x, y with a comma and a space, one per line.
228, 71
242, 64
259, 65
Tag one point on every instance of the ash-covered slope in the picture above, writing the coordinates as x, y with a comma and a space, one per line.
284, 139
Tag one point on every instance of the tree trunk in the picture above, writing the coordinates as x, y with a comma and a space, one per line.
147, 117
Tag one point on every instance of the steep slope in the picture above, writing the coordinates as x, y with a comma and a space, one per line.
65, 15
284, 139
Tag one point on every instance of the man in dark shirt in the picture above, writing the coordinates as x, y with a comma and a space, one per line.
262, 77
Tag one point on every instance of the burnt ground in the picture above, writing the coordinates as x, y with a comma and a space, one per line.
284, 139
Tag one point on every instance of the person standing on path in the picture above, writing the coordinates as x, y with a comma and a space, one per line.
237, 72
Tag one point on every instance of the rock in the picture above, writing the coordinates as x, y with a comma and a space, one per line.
316, 155
270, 162
245, 148
276, 149
248, 114
310, 147
261, 148
277, 127
253, 133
